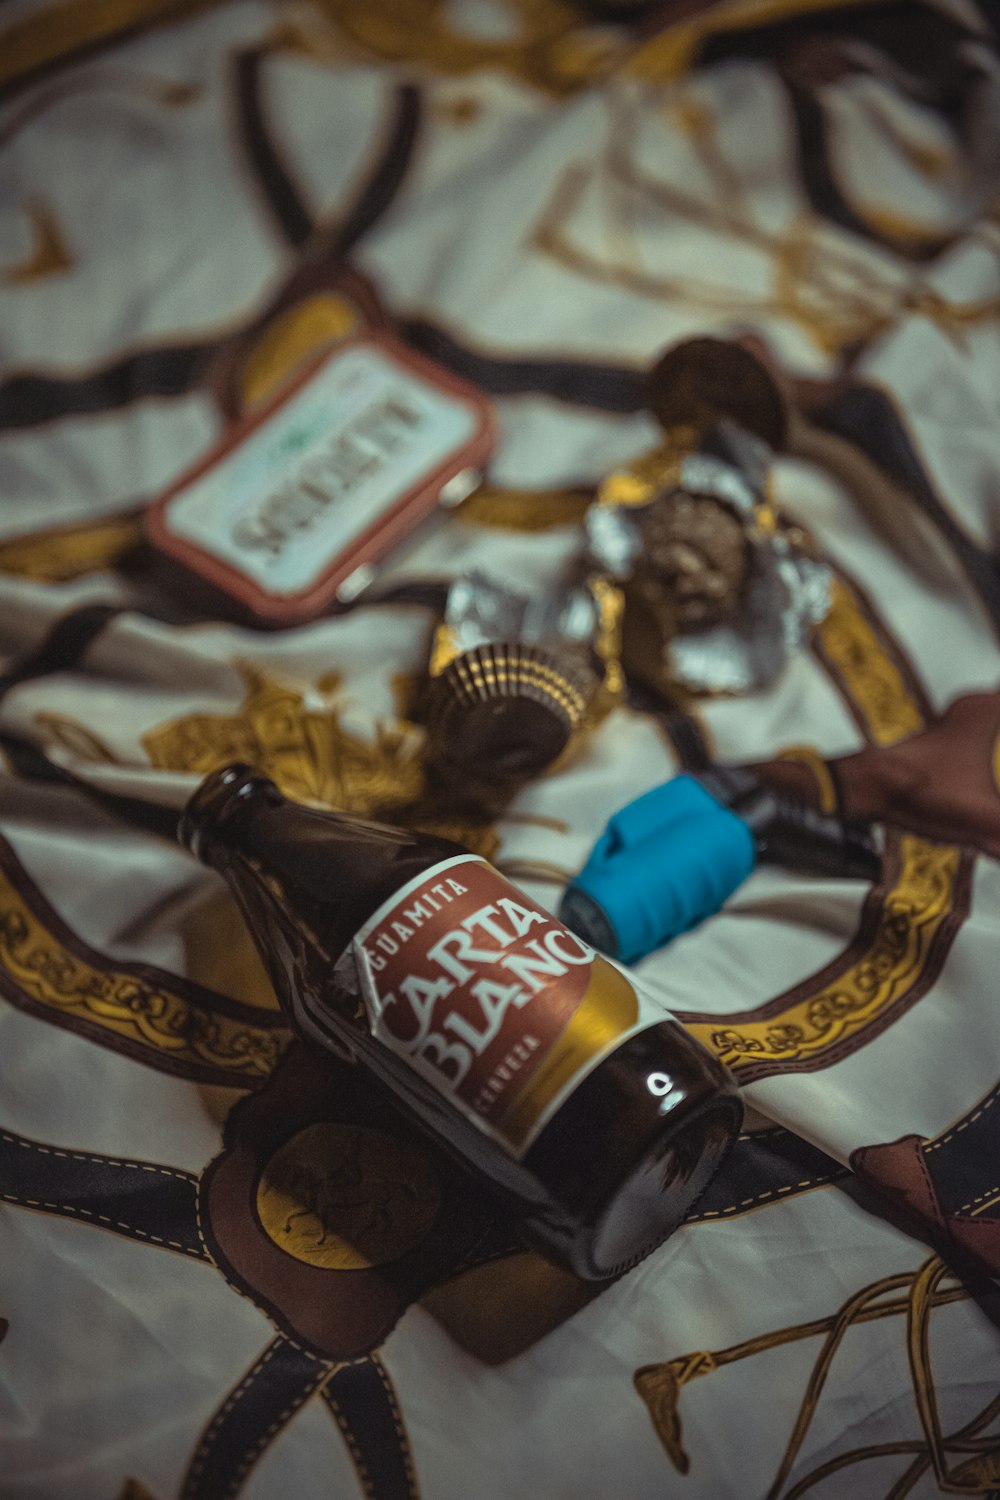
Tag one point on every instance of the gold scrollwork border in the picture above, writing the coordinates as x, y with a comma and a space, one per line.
908, 922
868, 668
907, 931
151, 1016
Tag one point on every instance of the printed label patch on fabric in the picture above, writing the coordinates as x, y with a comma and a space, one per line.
489, 997
328, 478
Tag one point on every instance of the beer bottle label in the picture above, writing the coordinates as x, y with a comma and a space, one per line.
490, 998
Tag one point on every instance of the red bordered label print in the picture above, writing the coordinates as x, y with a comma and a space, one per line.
477, 987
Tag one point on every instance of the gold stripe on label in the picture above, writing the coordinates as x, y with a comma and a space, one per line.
912, 915
608, 1010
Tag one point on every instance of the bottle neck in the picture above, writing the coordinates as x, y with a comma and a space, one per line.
234, 805
327, 869
212, 820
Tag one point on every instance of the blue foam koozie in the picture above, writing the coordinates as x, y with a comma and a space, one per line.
664, 863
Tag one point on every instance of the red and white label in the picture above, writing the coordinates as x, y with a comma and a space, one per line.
473, 983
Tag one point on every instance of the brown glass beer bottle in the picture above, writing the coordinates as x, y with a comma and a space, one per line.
518, 1048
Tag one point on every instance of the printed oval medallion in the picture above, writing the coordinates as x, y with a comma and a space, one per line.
347, 1197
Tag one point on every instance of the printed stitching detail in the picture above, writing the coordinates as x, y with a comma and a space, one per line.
235, 1396
936, 1145
88, 1213
252, 1454
348, 1435
397, 1422
101, 1161
973, 1201
247, 1297
937, 1211
734, 1208
199, 1186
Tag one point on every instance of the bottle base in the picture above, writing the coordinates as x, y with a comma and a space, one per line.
664, 1183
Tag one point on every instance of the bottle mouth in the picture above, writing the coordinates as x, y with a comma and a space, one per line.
220, 796
652, 1200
